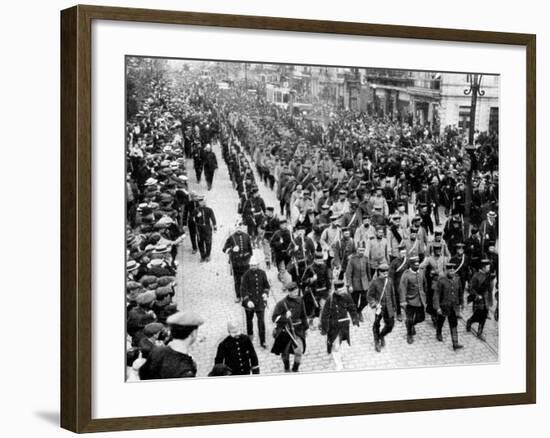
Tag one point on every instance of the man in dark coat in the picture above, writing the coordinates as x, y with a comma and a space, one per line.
412, 293
357, 279
479, 297
254, 293
237, 352
336, 316
269, 225
239, 248
397, 266
446, 302
206, 222
280, 242
198, 163
321, 285
291, 325
210, 164
381, 297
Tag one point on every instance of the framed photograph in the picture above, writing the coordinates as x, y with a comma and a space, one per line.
269, 219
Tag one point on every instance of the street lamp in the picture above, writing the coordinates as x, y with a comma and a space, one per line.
474, 79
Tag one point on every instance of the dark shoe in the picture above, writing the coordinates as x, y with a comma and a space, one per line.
439, 337
457, 346
207, 259
202, 260
382, 342
410, 339
400, 317
286, 364
469, 326
377, 346
295, 367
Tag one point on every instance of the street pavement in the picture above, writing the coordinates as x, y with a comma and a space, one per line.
207, 289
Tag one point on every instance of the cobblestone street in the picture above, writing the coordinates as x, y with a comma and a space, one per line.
207, 288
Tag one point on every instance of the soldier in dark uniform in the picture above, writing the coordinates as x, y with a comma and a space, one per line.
336, 316
237, 352
206, 222
279, 242
173, 361
412, 296
253, 210
322, 283
381, 297
291, 325
268, 226
446, 302
397, 266
479, 297
254, 293
462, 269
210, 164
239, 248
473, 248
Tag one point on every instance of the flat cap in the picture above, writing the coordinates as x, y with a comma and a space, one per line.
185, 318
166, 280
152, 328
146, 297
291, 286
163, 291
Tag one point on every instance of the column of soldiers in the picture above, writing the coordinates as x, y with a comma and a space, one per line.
346, 239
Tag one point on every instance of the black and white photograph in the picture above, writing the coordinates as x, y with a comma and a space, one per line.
285, 218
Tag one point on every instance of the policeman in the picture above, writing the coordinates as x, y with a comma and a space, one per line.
173, 361
336, 316
446, 302
239, 248
206, 222
381, 298
210, 165
237, 352
254, 292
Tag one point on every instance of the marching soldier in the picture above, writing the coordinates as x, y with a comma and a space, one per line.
206, 222
412, 292
336, 316
343, 249
381, 298
397, 267
357, 279
280, 242
268, 226
323, 281
253, 210
446, 302
239, 248
479, 297
462, 269
291, 325
237, 352
254, 292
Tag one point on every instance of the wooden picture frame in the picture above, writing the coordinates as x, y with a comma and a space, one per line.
76, 217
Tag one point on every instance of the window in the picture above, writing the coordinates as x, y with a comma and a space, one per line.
493, 119
464, 117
